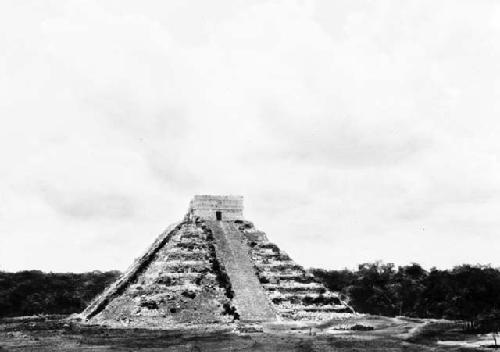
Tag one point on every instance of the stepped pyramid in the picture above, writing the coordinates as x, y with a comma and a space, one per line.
213, 267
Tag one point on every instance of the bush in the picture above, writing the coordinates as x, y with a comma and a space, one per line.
465, 292
35, 292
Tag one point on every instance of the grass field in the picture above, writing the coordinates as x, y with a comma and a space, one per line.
389, 334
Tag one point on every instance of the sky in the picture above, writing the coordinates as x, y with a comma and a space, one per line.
356, 130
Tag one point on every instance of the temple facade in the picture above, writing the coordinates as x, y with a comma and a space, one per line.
224, 208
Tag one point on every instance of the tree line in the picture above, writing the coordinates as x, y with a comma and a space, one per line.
466, 292
34, 292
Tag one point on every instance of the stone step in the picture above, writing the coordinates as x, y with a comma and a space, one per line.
250, 299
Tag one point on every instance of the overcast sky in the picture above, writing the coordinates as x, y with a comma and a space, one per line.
355, 130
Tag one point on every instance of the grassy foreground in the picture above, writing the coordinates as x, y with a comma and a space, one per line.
388, 334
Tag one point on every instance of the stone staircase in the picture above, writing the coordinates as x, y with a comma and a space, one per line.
294, 293
250, 300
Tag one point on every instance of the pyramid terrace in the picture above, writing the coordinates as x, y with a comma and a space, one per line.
214, 267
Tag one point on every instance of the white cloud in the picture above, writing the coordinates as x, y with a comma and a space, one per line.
353, 128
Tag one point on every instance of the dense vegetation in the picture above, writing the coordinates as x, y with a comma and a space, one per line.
466, 292
35, 292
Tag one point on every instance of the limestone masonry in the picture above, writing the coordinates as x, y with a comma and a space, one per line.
224, 208
213, 267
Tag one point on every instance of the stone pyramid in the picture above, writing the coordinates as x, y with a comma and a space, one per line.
213, 267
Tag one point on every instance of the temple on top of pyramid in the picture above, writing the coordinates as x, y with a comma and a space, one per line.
214, 267
223, 208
